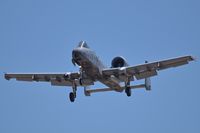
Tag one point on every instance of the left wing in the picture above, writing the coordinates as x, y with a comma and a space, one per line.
57, 79
148, 69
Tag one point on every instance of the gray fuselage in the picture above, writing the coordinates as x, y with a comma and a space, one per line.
92, 67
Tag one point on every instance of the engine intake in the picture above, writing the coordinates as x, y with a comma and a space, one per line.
119, 62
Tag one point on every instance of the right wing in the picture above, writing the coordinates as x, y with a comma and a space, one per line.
148, 69
56, 79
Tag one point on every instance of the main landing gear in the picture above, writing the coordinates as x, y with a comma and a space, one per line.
128, 89
72, 95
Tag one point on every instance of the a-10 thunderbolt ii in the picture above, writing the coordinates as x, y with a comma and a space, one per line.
117, 77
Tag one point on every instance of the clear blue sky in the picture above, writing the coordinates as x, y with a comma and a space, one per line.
39, 35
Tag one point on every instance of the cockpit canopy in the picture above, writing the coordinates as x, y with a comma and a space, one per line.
83, 44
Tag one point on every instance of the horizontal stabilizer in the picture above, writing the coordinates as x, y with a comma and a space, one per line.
88, 92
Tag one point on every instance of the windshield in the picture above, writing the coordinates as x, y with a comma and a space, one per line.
83, 44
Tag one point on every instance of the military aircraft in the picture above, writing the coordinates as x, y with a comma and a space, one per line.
91, 69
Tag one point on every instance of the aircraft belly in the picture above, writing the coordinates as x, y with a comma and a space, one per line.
93, 72
92, 69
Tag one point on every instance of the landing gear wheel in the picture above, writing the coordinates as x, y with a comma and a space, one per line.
72, 96
128, 91
128, 88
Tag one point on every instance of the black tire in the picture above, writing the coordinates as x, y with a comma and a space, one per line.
128, 91
71, 96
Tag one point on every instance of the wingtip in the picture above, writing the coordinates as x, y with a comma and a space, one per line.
6, 76
193, 58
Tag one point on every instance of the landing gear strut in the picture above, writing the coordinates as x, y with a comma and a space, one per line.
128, 89
72, 95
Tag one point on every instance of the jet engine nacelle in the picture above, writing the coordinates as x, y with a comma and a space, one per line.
119, 62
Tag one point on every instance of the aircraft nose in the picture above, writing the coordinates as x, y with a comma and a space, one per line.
76, 53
